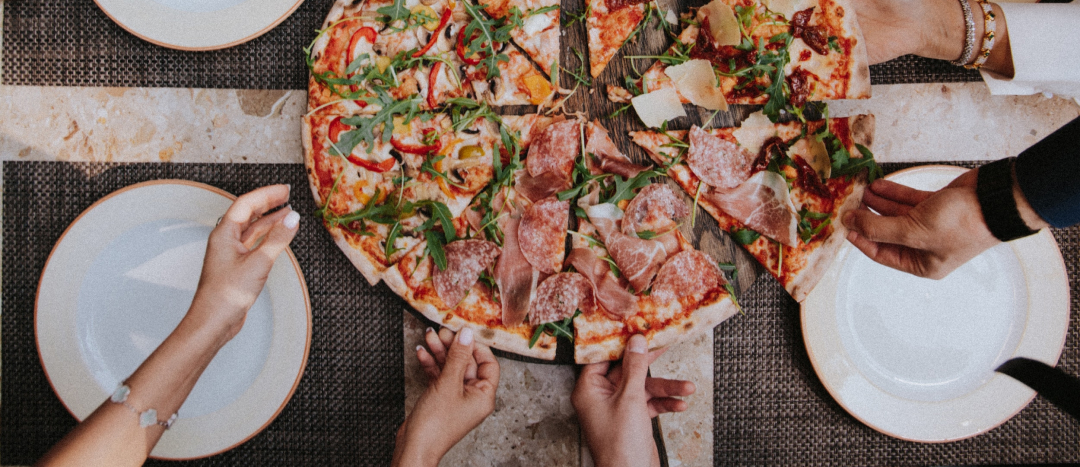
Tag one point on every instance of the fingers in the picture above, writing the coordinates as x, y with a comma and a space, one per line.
898, 193
594, 369
250, 206
887, 254
281, 233
435, 343
487, 366
427, 363
884, 206
666, 405
881, 229
459, 357
635, 364
259, 228
661, 387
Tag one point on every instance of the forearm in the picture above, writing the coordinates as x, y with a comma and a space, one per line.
111, 435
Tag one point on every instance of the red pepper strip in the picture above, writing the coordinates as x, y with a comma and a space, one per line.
461, 50
447, 13
432, 78
421, 149
356, 88
336, 129
362, 33
378, 168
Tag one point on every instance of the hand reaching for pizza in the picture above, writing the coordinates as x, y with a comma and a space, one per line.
239, 254
926, 233
463, 376
615, 406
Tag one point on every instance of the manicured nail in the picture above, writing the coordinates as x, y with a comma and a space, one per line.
419, 348
430, 330
289, 186
637, 344
465, 336
291, 220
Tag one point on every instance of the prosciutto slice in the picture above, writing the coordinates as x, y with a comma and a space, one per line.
555, 149
638, 259
540, 187
514, 275
763, 204
611, 159
613, 298
559, 296
465, 260
655, 208
718, 162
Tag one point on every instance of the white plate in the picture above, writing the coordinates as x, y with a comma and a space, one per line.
118, 282
914, 358
198, 24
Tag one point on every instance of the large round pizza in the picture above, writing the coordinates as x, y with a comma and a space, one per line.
535, 226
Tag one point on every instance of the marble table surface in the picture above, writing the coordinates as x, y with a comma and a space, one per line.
534, 421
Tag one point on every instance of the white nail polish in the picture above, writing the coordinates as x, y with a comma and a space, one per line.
419, 348
465, 336
291, 220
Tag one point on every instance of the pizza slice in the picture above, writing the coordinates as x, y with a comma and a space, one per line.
782, 54
382, 180
609, 24
536, 28
778, 189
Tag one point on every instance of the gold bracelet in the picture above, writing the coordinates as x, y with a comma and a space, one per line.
990, 25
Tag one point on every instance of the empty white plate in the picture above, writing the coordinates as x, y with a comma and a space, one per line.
914, 358
119, 281
198, 24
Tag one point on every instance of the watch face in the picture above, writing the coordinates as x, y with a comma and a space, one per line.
120, 394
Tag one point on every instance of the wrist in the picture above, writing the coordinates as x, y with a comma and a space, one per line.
414, 454
945, 30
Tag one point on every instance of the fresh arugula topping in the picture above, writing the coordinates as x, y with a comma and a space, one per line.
730, 269
428, 167
619, 111
731, 292
464, 112
842, 162
565, 328
483, 34
677, 55
834, 45
581, 75
624, 189
502, 177
391, 238
648, 235
807, 229
395, 13
580, 16
745, 236
382, 123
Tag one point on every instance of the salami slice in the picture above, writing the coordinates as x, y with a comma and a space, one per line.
655, 208
465, 260
555, 150
689, 272
718, 162
542, 234
559, 296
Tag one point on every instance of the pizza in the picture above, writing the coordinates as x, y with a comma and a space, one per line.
778, 189
781, 54
535, 229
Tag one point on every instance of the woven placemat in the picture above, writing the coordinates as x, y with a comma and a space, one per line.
73, 43
350, 401
772, 409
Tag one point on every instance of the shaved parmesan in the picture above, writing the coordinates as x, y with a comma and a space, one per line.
671, 17
754, 131
784, 7
723, 26
815, 154
658, 106
696, 81
604, 211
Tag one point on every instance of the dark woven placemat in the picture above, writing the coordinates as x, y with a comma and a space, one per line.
348, 404
772, 409
73, 43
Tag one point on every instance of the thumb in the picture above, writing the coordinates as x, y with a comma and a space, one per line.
635, 364
279, 237
458, 357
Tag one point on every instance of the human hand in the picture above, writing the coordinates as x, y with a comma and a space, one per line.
463, 376
615, 405
929, 28
236, 264
926, 233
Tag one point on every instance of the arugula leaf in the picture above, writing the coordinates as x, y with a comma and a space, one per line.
619, 111
393, 13
624, 189
391, 237
367, 127
806, 228
834, 45
580, 75
557, 329
483, 34
745, 236
580, 16
731, 291
647, 235
436, 247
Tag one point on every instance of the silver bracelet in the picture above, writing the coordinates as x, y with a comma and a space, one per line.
147, 417
969, 35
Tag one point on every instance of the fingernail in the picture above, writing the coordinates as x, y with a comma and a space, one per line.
291, 220
637, 344
847, 217
429, 330
289, 186
465, 336
419, 348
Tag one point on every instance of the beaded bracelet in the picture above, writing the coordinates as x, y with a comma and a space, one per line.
969, 35
147, 417
988, 37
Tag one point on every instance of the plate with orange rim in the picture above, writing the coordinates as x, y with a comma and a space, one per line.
120, 279
198, 24
914, 358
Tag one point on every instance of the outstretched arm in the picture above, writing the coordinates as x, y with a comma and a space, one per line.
232, 276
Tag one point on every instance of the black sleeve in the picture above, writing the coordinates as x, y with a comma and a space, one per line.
1049, 175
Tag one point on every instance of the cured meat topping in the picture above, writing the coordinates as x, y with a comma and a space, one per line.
559, 296
613, 298
688, 273
655, 209
542, 234
717, 162
465, 260
555, 149
514, 275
